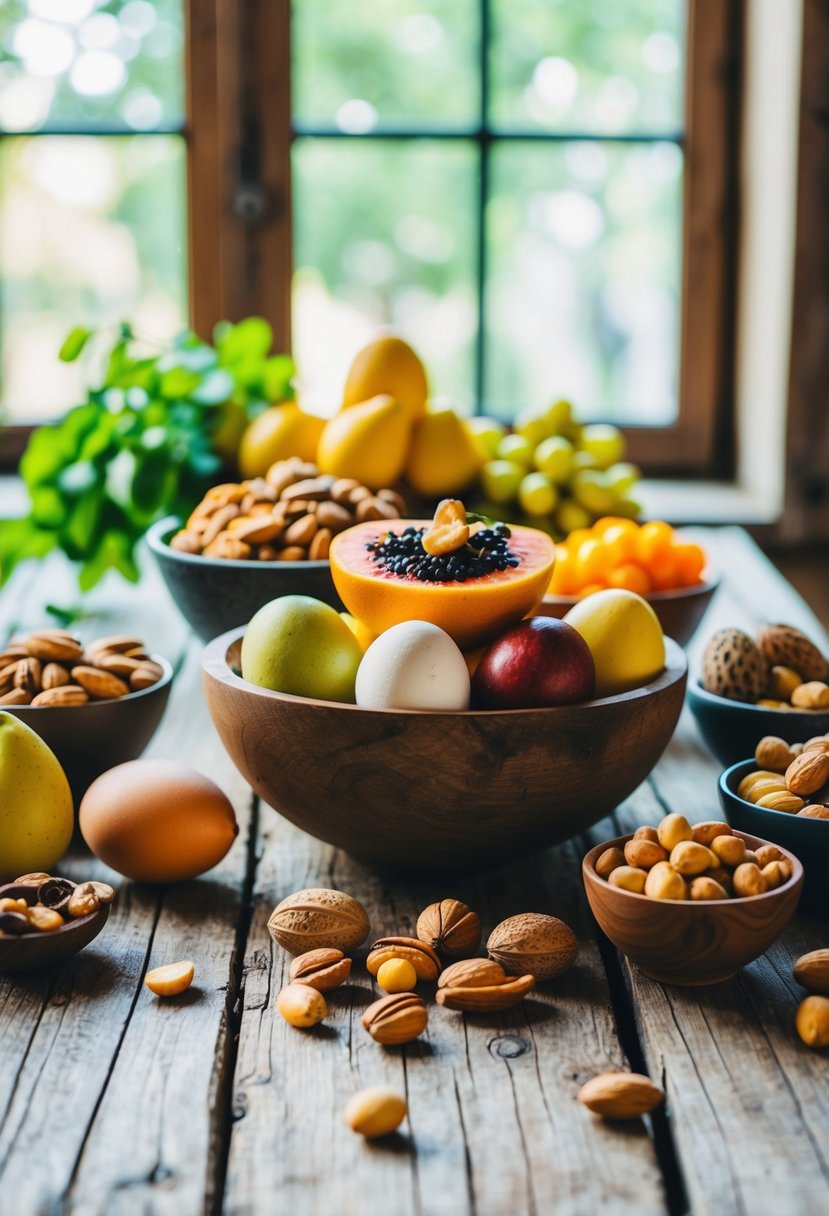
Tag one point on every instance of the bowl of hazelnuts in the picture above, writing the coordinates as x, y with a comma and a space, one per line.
691, 904
248, 542
782, 793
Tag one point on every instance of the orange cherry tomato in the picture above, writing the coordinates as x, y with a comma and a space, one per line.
565, 580
630, 577
592, 562
653, 542
590, 588
690, 562
620, 539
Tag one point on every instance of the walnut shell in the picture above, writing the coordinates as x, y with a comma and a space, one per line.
533, 944
451, 928
734, 667
785, 646
319, 918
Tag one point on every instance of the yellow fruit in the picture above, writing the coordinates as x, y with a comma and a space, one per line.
442, 456
277, 433
363, 635
624, 636
388, 365
36, 813
368, 442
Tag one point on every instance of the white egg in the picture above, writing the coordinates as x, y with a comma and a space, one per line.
413, 665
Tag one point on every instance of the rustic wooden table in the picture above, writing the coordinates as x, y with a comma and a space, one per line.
112, 1101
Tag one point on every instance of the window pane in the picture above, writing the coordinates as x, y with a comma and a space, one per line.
384, 234
613, 67
92, 232
83, 63
398, 63
584, 281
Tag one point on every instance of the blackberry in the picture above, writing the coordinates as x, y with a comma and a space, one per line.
402, 554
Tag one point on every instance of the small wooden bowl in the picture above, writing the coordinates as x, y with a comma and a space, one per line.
89, 739
690, 942
679, 612
35, 951
215, 594
422, 791
807, 839
732, 729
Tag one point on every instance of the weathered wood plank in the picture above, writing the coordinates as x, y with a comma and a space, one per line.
493, 1123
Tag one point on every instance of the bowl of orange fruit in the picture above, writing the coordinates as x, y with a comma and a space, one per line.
671, 571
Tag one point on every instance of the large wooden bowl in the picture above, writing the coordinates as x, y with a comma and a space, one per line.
690, 942
416, 790
679, 612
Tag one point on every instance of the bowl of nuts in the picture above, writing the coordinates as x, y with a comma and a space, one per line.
774, 684
249, 542
45, 920
95, 704
432, 790
691, 905
783, 794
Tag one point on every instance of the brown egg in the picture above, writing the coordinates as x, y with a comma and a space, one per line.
157, 821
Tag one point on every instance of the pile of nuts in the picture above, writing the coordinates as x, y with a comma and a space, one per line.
53, 667
289, 515
780, 669
321, 926
703, 862
41, 903
791, 777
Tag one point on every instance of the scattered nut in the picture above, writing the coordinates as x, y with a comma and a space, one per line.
170, 980
301, 1005
451, 928
812, 971
318, 918
812, 1021
396, 1019
533, 944
321, 969
375, 1112
621, 1095
396, 975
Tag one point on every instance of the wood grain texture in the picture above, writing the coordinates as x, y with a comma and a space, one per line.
440, 791
491, 1098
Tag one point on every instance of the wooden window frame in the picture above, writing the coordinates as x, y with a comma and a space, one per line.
239, 134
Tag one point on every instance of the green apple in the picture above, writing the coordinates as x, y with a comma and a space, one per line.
554, 456
517, 449
606, 444
485, 433
500, 480
36, 814
537, 494
624, 636
299, 645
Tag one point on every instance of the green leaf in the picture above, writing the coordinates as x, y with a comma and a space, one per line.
249, 340
178, 382
21, 539
48, 506
113, 552
73, 343
78, 534
66, 616
276, 378
151, 484
216, 388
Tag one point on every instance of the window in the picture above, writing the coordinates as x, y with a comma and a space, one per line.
536, 192
92, 185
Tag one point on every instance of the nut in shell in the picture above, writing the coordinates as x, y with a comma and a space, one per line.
481, 986
319, 918
320, 969
785, 646
421, 955
451, 928
621, 1095
733, 666
533, 944
397, 1018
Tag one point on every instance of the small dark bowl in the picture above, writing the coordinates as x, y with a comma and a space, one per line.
807, 838
690, 942
679, 612
427, 791
732, 729
216, 594
33, 951
89, 739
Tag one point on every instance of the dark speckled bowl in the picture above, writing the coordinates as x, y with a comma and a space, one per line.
217, 594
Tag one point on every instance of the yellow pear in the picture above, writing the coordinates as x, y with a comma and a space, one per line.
388, 365
36, 813
277, 433
442, 456
368, 442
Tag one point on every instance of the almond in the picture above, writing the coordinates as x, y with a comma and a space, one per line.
68, 694
397, 1018
101, 685
54, 676
16, 696
621, 1095
812, 970
56, 645
807, 772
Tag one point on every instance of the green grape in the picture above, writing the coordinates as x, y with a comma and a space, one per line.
622, 477
590, 490
554, 456
570, 516
605, 443
558, 416
500, 480
532, 426
517, 449
537, 494
486, 434
583, 460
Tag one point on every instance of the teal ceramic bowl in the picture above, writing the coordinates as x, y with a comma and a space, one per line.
732, 729
807, 838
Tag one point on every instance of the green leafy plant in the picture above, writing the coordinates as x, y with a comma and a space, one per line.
146, 443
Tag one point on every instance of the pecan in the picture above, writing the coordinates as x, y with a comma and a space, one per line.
397, 1018
450, 928
53, 676
321, 969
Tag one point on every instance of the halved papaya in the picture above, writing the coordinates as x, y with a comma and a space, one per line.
472, 611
